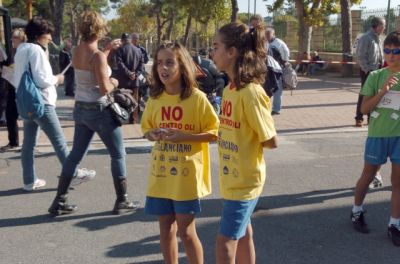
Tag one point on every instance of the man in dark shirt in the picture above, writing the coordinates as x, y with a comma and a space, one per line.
65, 58
130, 66
135, 42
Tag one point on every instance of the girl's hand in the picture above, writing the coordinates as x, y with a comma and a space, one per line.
153, 135
390, 82
173, 135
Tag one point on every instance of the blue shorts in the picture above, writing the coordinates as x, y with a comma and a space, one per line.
163, 206
377, 150
236, 217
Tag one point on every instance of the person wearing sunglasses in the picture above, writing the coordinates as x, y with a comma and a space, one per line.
381, 100
370, 58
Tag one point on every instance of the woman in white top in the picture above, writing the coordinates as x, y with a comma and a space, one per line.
92, 115
32, 55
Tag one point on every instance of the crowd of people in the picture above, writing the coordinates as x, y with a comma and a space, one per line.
180, 173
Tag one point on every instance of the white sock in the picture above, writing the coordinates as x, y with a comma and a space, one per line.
357, 209
394, 221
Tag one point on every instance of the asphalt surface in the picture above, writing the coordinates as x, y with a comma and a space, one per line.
303, 215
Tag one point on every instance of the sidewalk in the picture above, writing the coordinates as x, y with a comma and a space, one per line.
320, 104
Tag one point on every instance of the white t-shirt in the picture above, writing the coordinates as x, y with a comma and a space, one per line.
33, 54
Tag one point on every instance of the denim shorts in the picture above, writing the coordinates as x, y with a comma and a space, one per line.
163, 206
236, 217
377, 150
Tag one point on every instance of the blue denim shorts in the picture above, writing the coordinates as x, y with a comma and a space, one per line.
163, 206
377, 150
236, 217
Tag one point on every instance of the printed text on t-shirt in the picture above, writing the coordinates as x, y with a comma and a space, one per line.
172, 116
226, 113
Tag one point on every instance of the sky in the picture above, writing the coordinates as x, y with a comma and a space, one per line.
260, 5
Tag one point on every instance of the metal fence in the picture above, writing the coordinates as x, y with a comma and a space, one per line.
332, 32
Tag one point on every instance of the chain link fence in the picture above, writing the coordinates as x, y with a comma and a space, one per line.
332, 31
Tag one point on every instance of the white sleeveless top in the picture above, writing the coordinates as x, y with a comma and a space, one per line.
87, 89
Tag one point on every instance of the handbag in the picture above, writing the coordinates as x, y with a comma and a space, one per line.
29, 100
121, 104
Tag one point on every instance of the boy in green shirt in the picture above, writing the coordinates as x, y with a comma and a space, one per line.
382, 100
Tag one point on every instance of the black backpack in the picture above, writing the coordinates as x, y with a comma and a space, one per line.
274, 77
274, 52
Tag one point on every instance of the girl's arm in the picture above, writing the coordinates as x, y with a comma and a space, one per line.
370, 102
271, 143
176, 135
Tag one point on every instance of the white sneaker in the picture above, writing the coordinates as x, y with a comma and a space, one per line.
377, 182
33, 186
83, 175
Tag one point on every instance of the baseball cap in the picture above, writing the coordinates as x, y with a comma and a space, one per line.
125, 36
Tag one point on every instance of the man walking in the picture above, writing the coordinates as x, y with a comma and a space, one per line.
130, 66
370, 57
280, 52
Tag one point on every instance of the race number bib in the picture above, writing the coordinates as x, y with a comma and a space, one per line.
390, 100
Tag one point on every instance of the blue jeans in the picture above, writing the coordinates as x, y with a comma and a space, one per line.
91, 118
277, 98
50, 124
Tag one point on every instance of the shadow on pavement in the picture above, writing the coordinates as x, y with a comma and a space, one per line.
19, 191
46, 218
102, 151
306, 237
316, 105
312, 129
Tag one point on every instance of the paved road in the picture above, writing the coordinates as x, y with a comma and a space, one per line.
302, 216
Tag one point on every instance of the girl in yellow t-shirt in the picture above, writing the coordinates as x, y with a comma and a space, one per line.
180, 119
246, 126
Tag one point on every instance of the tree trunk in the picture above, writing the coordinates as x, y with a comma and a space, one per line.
187, 30
58, 20
347, 69
235, 10
170, 27
158, 30
305, 31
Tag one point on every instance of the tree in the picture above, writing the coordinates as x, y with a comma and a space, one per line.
310, 13
70, 18
235, 10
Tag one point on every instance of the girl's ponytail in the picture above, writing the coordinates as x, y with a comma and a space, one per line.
250, 65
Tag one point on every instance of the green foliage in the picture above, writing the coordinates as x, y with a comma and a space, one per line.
133, 17
316, 11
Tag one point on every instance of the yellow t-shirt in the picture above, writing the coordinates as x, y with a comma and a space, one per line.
245, 122
180, 171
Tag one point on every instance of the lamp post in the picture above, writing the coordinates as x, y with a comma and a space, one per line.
255, 8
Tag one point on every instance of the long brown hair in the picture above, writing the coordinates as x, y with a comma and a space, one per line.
250, 65
186, 68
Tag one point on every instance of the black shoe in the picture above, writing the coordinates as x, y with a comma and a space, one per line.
60, 204
359, 223
275, 113
126, 206
60, 207
394, 234
122, 204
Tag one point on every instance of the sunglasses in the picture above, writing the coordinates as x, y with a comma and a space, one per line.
395, 51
